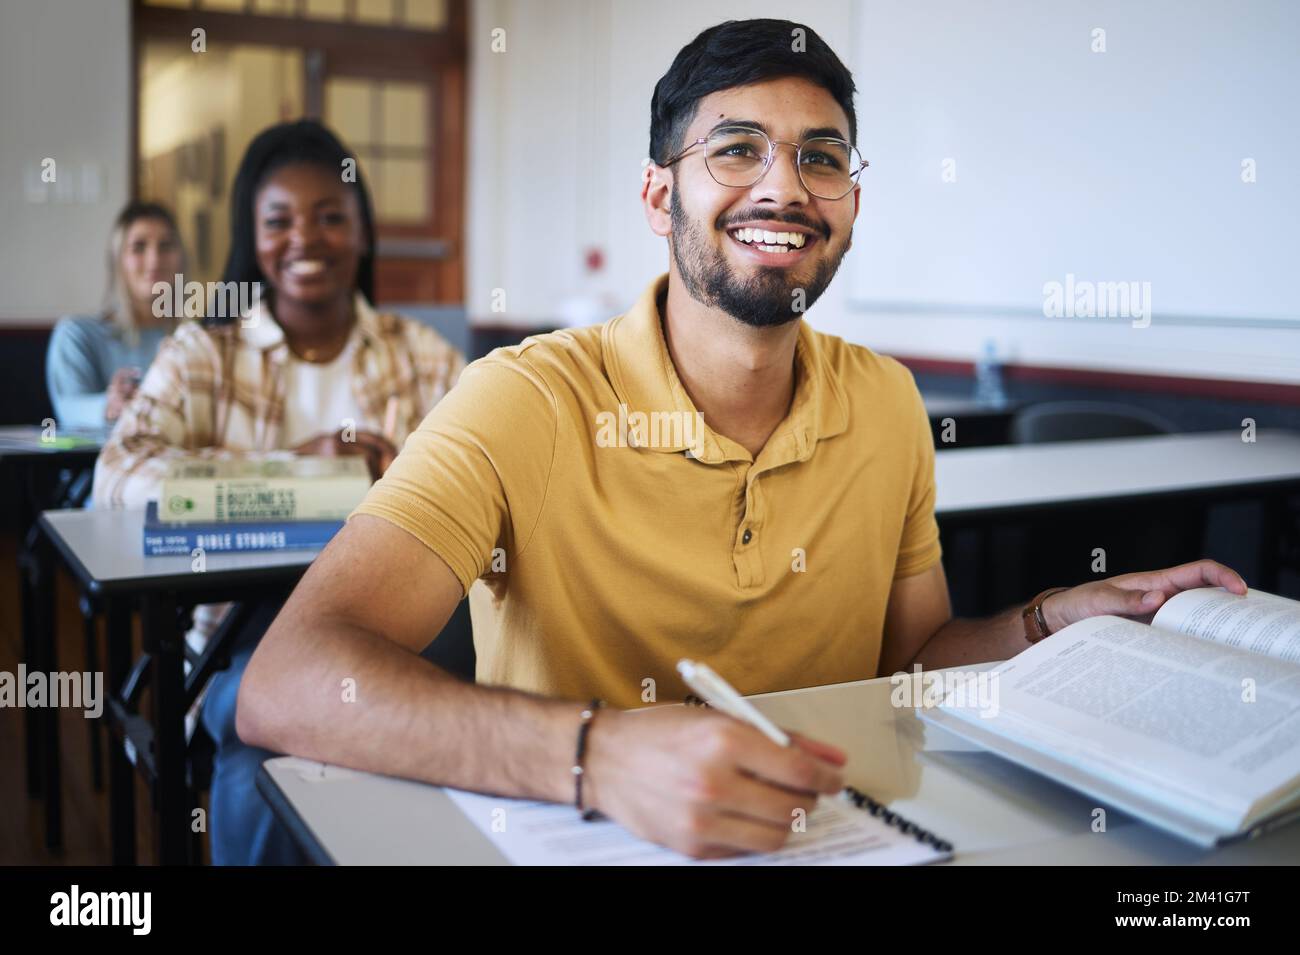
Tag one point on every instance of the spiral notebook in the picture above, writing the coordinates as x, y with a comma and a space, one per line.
851, 830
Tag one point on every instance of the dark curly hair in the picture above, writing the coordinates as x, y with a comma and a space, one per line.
738, 53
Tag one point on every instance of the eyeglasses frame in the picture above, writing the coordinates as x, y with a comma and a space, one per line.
771, 156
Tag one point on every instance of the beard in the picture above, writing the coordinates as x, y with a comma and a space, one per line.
763, 300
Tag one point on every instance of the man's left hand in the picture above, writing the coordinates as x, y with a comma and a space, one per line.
1137, 596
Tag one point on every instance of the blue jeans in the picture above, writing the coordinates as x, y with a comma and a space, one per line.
242, 830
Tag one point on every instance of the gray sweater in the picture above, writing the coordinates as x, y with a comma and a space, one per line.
84, 353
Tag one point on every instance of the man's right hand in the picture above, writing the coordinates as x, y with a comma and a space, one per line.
703, 783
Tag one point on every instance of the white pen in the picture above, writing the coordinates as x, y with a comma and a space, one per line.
720, 695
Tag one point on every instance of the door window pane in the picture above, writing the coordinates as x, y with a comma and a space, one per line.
426, 14
349, 105
403, 190
405, 111
325, 9
191, 140
380, 12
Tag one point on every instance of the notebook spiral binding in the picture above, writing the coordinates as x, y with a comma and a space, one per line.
865, 802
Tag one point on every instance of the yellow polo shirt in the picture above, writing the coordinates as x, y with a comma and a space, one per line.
561, 472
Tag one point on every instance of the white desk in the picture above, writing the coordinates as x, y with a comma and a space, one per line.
1027, 476
991, 810
104, 551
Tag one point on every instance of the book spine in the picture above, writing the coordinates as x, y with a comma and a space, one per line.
249, 539
259, 499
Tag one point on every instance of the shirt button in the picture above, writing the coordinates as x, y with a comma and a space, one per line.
747, 536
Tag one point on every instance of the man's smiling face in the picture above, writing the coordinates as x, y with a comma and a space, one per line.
720, 265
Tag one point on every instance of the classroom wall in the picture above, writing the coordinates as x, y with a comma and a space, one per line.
1120, 164
64, 74
545, 184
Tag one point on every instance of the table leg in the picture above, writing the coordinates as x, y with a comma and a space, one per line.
163, 639
32, 657
31, 650
121, 772
46, 660
95, 727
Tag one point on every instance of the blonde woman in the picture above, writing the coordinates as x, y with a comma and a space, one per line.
94, 363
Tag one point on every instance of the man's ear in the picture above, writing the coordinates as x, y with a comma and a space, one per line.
857, 207
656, 198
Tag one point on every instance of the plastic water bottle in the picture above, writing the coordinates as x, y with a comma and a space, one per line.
988, 377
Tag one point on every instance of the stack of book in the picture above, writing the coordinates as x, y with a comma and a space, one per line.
253, 504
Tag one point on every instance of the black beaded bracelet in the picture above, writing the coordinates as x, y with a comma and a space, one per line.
579, 772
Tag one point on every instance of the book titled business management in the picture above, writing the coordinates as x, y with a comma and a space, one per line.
275, 488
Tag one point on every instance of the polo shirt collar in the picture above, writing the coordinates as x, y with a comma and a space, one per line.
259, 329
645, 380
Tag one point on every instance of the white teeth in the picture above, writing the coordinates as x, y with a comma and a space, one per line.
771, 241
306, 267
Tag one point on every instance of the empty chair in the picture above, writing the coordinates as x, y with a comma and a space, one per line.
1083, 420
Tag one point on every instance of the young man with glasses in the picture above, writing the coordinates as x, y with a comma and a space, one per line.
788, 541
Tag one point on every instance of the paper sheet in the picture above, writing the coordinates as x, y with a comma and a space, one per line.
538, 833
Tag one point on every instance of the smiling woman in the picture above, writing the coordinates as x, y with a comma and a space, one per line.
310, 356
312, 368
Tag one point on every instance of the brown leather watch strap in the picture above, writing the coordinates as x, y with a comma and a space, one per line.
1035, 625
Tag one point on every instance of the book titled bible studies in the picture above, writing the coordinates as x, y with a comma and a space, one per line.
170, 539
272, 488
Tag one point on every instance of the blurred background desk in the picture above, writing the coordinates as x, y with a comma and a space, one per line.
43, 468
103, 551
1017, 519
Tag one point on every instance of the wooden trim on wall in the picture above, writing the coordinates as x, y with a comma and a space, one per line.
27, 328
1227, 389
428, 48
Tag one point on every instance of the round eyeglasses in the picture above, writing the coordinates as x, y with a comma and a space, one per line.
739, 156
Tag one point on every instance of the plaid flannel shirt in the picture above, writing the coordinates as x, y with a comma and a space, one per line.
219, 391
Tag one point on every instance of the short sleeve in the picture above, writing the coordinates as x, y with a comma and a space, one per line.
475, 474
919, 548
73, 376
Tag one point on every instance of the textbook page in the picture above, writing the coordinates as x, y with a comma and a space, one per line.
541, 833
1259, 622
1157, 713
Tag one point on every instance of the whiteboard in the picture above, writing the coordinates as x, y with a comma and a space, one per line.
1126, 165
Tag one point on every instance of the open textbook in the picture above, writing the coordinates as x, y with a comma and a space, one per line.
1191, 723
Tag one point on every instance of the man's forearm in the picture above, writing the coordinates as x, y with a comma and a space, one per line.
962, 641
402, 715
